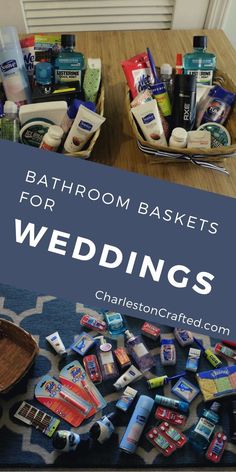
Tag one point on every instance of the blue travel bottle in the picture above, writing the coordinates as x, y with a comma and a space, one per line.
69, 65
200, 62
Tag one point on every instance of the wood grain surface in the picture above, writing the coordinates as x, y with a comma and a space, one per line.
116, 145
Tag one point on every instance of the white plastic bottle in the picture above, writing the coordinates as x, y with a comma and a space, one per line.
178, 138
12, 67
166, 78
52, 139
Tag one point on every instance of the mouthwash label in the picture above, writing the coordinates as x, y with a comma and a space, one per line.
205, 428
65, 75
203, 77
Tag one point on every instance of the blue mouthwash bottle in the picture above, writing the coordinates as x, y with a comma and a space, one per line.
202, 432
69, 65
200, 62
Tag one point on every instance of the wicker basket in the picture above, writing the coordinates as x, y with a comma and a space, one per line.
164, 154
17, 352
86, 152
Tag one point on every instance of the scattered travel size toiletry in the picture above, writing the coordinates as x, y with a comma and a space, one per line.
163, 380
173, 417
122, 357
126, 399
55, 340
150, 330
172, 434
166, 78
106, 359
102, 430
181, 406
200, 62
217, 383
183, 336
136, 424
184, 102
225, 352
215, 450
161, 96
32, 416
12, 66
43, 76
129, 376
139, 352
83, 343
202, 432
115, 322
92, 368
210, 356
168, 352
193, 359
199, 139
93, 323
66, 441
137, 72
185, 390
159, 440
48, 112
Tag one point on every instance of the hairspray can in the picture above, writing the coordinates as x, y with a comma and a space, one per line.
184, 102
136, 424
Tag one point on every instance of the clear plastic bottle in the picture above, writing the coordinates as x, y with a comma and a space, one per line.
10, 122
139, 351
52, 139
202, 432
200, 62
178, 138
166, 78
12, 67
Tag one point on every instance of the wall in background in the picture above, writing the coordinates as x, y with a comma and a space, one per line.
229, 21
11, 15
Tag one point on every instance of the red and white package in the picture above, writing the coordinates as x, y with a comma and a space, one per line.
137, 72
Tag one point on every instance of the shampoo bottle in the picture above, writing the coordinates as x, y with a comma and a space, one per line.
139, 352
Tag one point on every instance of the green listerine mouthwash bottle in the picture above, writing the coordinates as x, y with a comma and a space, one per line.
69, 65
200, 62
203, 430
10, 122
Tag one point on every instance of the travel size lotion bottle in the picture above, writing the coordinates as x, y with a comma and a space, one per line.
139, 351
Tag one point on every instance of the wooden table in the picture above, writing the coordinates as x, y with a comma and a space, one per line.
116, 145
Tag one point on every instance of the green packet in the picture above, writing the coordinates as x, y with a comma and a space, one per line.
92, 79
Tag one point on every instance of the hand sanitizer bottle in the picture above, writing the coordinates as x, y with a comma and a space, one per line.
69, 64
10, 122
106, 359
139, 351
202, 432
200, 62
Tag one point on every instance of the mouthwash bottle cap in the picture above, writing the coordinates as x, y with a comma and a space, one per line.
10, 107
200, 42
68, 40
166, 69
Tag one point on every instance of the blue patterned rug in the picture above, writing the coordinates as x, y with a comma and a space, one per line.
22, 446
